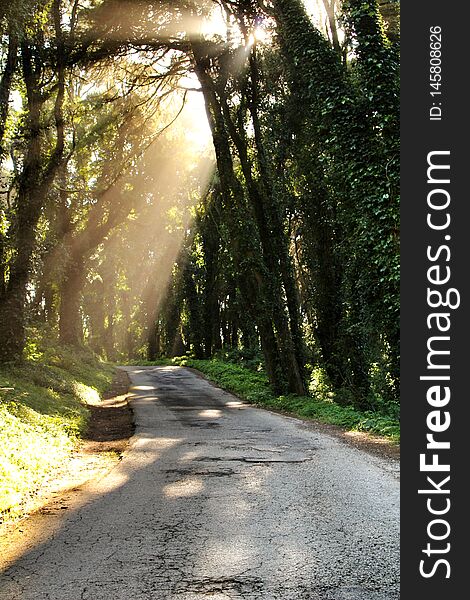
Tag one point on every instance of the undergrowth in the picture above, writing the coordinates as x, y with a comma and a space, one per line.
42, 413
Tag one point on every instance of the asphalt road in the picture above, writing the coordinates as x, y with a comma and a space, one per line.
219, 500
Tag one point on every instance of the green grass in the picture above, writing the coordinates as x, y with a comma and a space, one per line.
253, 387
42, 414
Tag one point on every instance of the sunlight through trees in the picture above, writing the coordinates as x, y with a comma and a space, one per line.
212, 178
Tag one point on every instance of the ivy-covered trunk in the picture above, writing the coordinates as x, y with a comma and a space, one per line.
378, 62
247, 259
361, 169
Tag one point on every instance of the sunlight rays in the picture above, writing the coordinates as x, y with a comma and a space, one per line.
178, 166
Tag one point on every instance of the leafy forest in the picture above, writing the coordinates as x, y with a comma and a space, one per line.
209, 179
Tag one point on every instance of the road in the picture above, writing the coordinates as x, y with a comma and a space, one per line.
219, 500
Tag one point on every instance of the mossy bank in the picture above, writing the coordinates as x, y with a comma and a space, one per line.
43, 413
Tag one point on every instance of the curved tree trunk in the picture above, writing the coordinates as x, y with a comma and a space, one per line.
35, 182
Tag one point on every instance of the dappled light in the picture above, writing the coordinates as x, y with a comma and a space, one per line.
210, 413
214, 186
234, 404
142, 387
215, 521
184, 488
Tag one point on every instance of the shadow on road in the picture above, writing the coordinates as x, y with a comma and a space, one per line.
216, 500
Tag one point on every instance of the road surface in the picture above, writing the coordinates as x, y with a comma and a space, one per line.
218, 500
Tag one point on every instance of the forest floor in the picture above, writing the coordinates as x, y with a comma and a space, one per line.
212, 498
111, 422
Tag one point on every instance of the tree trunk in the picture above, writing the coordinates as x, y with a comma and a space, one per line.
31, 195
95, 309
5, 87
70, 320
35, 183
210, 244
152, 343
253, 282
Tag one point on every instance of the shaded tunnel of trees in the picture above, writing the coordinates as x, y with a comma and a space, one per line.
275, 244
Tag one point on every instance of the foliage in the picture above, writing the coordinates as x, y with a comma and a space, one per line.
249, 358
118, 231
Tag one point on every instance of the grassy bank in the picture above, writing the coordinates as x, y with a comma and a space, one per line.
253, 387
42, 413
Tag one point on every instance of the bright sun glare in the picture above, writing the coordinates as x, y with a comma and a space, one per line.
260, 34
216, 25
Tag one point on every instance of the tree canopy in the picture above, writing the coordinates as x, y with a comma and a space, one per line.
206, 177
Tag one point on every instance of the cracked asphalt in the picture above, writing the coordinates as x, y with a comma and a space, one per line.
216, 500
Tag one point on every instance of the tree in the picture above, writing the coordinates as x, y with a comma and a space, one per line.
40, 167
114, 233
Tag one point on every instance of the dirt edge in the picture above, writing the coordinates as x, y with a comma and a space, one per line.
107, 437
